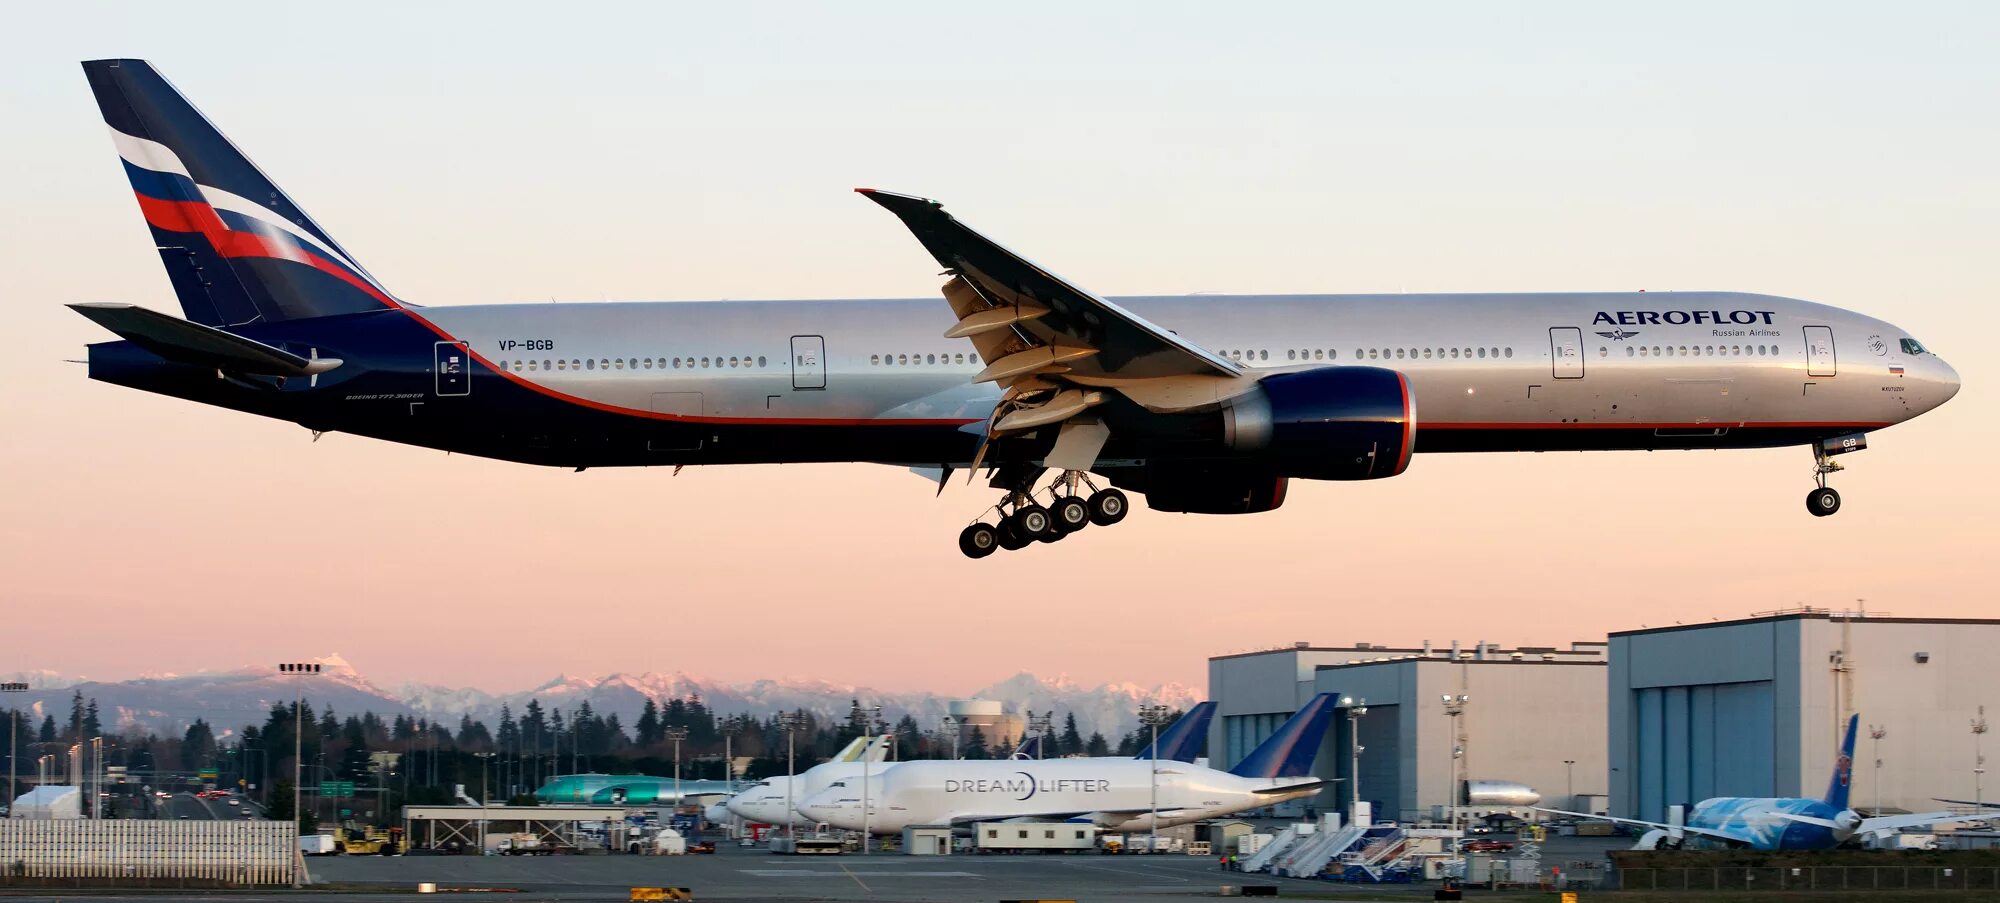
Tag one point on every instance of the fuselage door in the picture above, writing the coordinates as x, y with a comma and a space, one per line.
1566, 350
808, 362
451, 369
1819, 351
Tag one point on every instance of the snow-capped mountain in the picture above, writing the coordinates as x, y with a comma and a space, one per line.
230, 699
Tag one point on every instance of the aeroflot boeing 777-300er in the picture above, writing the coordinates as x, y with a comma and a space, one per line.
1206, 404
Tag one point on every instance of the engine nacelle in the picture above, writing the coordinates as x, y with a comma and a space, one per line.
1331, 423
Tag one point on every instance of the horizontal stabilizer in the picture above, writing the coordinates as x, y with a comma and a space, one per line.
192, 343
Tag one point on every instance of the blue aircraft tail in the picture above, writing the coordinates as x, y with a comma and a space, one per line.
1843, 768
1184, 740
236, 247
1030, 748
1289, 752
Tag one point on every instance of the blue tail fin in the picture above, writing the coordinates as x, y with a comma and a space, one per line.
1289, 752
236, 247
1843, 768
1183, 740
1030, 748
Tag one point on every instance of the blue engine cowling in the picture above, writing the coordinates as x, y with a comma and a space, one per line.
1332, 423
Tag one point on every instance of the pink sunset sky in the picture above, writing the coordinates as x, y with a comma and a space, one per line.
478, 154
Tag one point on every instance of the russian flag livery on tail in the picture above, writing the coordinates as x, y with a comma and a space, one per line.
238, 249
1062, 399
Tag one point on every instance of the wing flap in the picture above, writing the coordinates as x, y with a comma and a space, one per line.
192, 343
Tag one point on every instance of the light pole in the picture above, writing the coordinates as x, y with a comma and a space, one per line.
1454, 706
300, 670
869, 724
791, 723
1355, 709
1039, 726
676, 734
1978, 759
1153, 716
1875, 735
1569, 782
951, 727
13, 740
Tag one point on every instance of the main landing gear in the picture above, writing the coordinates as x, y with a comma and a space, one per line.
1823, 500
1024, 521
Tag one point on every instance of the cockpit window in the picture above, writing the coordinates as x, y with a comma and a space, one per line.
837, 784
1912, 346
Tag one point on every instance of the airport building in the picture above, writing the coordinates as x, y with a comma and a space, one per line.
1536, 716
1752, 708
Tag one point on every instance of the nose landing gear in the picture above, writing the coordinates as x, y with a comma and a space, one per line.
1022, 521
1823, 500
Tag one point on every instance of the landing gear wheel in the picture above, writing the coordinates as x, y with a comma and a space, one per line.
1071, 513
1031, 521
1107, 507
1822, 501
978, 541
1011, 539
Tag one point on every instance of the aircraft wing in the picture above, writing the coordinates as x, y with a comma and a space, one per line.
1921, 820
1293, 787
1053, 310
1705, 832
1049, 343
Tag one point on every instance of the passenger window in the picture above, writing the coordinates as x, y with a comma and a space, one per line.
930, 358
1510, 352
1603, 351
1399, 353
1482, 352
704, 363
1427, 353
1291, 354
1263, 355
1371, 354
1629, 351
902, 359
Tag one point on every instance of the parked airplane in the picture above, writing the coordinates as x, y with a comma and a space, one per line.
1783, 823
770, 800
628, 789
1207, 404
1112, 793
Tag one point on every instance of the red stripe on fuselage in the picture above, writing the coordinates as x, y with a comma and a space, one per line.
1719, 425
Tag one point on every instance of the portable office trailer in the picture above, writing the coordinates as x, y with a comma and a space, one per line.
1058, 836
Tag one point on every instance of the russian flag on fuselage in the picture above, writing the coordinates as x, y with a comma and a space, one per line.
237, 248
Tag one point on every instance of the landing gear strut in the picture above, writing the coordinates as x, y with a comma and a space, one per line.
1823, 500
1022, 520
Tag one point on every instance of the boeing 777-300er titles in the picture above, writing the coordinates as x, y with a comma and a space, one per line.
1117, 794
1206, 404
1784, 823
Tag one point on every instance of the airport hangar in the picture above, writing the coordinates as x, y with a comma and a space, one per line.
1533, 710
1751, 708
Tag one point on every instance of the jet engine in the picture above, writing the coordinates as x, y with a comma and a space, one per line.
1330, 423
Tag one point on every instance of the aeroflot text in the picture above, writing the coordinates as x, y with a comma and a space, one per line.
1025, 785
1681, 317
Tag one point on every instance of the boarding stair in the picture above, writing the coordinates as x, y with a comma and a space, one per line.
1308, 858
1383, 849
1285, 839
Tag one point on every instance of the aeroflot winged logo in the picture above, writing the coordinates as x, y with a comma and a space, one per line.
1682, 317
1618, 335
1026, 786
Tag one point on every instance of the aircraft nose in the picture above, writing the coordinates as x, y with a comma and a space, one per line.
1947, 381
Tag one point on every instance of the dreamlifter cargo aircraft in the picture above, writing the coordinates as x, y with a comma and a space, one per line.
1205, 404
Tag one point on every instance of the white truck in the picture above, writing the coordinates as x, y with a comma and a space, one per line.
661, 842
317, 844
1033, 836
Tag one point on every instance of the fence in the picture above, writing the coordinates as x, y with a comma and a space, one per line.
162, 853
1826, 877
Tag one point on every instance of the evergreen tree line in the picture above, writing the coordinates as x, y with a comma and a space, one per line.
416, 760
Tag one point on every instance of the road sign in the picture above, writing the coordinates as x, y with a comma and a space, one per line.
336, 788
208, 774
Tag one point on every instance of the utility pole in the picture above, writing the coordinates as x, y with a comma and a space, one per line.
1454, 706
1875, 734
951, 727
13, 740
871, 722
791, 723
1355, 709
1978, 759
676, 734
1569, 782
301, 670
1153, 716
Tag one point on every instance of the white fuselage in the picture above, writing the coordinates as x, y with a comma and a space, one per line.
1113, 793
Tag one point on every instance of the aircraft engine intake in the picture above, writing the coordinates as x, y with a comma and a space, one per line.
1330, 423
